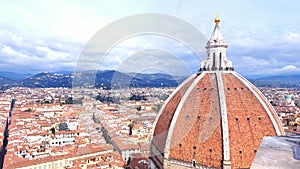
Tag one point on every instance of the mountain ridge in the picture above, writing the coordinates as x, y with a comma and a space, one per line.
15, 76
109, 79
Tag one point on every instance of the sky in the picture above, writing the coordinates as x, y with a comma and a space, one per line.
39, 36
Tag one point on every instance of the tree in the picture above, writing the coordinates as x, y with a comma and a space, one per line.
137, 97
53, 130
157, 107
130, 125
69, 100
28, 110
63, 126
107, 99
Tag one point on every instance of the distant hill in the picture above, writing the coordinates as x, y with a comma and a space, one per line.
6, 82
113, 79
102, 79
278, 81
15, 76
46, 79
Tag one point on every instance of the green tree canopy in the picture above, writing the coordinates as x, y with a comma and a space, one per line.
63, 126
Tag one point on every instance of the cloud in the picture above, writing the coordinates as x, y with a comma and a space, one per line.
155, 60
285, 70
49, 36
261, 53
151, 52
289, 68
21, 54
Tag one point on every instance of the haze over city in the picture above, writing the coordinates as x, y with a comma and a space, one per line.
37, 36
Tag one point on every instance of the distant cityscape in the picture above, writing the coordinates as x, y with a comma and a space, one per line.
87, 128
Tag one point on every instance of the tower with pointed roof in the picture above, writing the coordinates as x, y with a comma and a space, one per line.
215, 119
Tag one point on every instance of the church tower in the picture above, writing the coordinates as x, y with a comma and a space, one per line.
214, 119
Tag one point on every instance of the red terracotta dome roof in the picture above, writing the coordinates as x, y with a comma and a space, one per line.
190, 127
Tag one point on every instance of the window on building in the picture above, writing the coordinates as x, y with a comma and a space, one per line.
220, 64
194, 163
214, 61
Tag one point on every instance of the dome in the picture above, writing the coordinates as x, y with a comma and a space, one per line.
215, 119
288, 96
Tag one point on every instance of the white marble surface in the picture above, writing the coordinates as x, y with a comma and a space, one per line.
278, 153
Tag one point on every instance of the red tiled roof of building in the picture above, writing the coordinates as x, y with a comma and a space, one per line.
138, 162
12, 161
